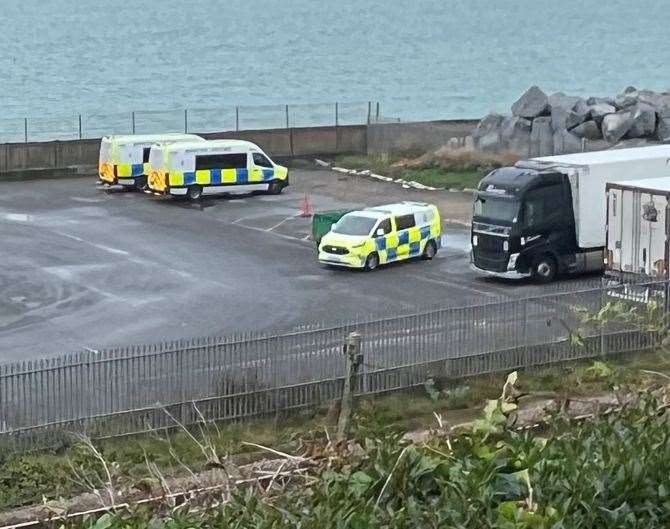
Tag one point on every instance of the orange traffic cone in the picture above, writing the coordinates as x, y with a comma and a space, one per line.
306, 208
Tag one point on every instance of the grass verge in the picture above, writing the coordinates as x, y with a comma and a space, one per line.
28, 478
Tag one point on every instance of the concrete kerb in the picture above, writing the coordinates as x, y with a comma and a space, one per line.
406, 184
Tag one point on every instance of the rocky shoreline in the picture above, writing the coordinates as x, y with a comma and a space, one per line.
542, 124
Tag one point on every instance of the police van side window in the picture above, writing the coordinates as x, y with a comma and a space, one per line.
221, 161
261, 161
384, 225
145, 154
404, 222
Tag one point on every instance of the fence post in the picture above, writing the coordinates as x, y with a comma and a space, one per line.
80, 135
132, 118
185, 120
287, 122
25, 129
237, 118
337, 124
369, 111
337, 114
377, 114
353, 358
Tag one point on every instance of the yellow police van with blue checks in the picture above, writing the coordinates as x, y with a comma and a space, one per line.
217, 166
374, 236
124, 160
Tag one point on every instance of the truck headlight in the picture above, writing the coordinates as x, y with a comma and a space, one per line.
474, 240
511, 264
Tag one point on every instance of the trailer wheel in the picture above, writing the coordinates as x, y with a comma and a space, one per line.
544, 268
372, 262
194, 193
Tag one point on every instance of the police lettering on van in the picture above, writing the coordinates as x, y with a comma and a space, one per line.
219, 166
124, 160
373, 236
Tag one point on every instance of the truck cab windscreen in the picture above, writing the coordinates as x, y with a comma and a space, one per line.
502, 209
354, 225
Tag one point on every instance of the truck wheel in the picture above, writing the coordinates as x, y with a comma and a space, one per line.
544, 268
429, 251
275, 188
372, 262
194, 193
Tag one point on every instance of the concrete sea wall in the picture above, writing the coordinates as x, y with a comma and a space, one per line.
66, 158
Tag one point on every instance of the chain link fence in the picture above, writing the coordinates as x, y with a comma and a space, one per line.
220, 119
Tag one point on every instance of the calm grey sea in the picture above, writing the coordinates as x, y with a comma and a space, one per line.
422, 58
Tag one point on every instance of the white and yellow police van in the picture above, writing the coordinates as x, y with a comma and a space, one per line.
124, 160
370, 237
217, 166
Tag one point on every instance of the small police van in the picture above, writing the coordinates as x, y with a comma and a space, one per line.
373, 236
124, 160
217, 166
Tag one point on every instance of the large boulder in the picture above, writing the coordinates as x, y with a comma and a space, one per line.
560, 100
582, 110
541, 137
599, 100
565, 119
644, 121
533, 103
615, 126
660, 102
566, 142
663, 127
599, 110
589, 130
515, 134
487, 134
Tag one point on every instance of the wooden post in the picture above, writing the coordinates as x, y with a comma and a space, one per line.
132, 120
80, 134
353, 358
237, 118
25, 129
185, 120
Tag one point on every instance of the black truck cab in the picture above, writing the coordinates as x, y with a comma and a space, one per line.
523, 224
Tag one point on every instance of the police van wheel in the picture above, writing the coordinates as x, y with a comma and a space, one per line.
372, 262
194, 193
275, 188
429, 251
544, 268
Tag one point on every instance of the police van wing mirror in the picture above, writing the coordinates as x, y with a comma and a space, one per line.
380, 232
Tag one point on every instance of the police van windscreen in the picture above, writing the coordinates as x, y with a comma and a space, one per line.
105, 150
156, 158
495, 208
354, 225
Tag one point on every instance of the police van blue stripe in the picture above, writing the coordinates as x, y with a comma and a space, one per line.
137, 169
189, 179
392, 253
425, 232
403, 237
414, 247
381, 243
215, 176
268, 174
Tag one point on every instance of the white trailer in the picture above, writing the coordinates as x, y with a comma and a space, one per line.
637, 228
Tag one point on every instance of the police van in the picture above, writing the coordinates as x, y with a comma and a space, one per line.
217, 166
374, 236
124, 160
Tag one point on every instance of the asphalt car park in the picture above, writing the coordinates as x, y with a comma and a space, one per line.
81, 267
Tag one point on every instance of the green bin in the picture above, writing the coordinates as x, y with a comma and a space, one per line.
323, 220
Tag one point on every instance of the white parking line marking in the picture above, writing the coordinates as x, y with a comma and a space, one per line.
282, 222
95, 245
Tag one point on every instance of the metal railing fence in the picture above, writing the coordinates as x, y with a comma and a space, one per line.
129, 390
219, 119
